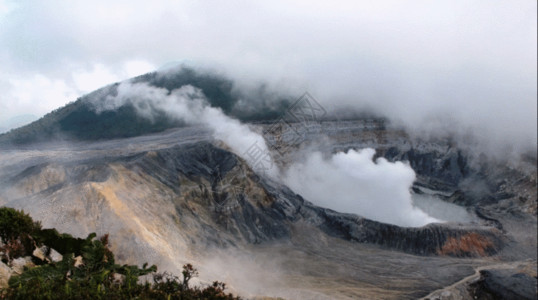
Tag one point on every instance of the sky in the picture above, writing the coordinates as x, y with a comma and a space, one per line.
467, 66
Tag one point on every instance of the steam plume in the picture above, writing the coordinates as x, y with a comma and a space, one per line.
353, 183
347, 182
189, 105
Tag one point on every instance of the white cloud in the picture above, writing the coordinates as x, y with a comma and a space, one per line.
471, 62
353, 182
189, 105
6, 7
98, 76
37, 95
138, 67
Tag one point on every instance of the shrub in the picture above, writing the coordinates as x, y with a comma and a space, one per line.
14, 224
98, 277
16, 230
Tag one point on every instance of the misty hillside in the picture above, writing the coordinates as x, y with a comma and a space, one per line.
183, 196
364, 150
80, 121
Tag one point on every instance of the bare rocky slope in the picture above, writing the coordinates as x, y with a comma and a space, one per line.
169, 194
180, 196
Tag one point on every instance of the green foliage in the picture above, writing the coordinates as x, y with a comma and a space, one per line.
16, 229
167, 286
88, 270
14, 224
63, 243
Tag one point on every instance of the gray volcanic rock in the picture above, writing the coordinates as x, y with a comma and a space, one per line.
505, 284
175, 197
444, 170
432, 239
239, 203
201, 159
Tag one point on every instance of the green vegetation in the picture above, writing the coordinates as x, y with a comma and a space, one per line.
16, 230
87, 269
80, 121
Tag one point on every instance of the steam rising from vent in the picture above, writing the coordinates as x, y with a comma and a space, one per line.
353, 183
187, 104
347, 182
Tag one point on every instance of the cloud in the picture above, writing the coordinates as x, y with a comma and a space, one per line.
38, 94
98, 76
137, 67
5, 7
465, 66
22, 96
353, 182
188, 104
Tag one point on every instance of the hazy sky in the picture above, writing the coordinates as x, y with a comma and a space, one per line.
434, 64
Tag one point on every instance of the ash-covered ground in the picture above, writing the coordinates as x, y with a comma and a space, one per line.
185, 196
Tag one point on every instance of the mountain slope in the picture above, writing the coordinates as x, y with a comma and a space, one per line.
180, 196
79, 120
197, 202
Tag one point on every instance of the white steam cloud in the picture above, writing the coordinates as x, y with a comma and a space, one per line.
189, 105
353, 182
347, 182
